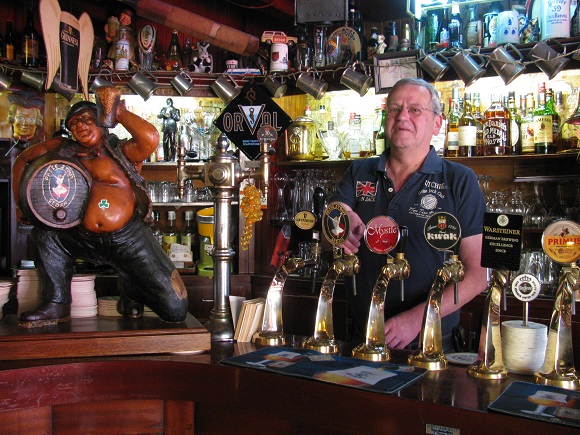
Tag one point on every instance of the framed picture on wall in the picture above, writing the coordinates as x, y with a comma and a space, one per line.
389, 68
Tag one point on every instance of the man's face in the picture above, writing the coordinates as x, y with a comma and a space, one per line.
84, 129
25, 123
414, 128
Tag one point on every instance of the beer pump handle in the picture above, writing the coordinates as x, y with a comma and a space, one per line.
404, 231
318, 199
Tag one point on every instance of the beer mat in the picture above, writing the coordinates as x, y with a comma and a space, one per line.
379, 377
539, 402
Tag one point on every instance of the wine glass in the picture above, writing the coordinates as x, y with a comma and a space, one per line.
536, 215
280, 181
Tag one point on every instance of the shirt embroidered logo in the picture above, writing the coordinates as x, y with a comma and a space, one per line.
366, 189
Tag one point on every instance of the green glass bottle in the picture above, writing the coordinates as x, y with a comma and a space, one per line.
543, 129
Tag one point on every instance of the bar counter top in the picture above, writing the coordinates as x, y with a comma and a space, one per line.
194, 393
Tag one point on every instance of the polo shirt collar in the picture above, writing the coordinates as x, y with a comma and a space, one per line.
433, 164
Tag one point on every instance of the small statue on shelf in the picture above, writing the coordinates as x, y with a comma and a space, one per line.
170, 116
202, 60
110, 209
113, 33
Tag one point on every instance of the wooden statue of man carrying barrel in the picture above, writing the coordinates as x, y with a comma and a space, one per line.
86, 200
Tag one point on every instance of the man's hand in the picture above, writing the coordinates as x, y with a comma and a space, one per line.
357, 230
400, 330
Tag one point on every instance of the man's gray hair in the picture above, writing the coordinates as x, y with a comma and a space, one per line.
435, 100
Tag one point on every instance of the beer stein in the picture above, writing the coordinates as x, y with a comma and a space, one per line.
505, 65
435, 67
468, 65
548, 59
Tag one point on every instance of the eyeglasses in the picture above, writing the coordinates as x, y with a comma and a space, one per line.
413, 111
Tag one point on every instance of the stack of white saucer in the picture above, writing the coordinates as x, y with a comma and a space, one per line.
5, 286
28, 289
108, 306
524, 347
84, 297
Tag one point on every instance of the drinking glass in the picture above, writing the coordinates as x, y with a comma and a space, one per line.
536, 215
280, 181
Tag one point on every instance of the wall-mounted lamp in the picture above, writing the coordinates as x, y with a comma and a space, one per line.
275, 86
355, 81
182, 82
311, 85
225, 90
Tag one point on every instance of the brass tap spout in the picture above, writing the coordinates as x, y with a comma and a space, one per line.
558, 368
323, 339
489, 363
430, 354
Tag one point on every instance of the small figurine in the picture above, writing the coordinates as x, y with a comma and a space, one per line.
381, 46
25, 117
170, 116
113, 32
203, 61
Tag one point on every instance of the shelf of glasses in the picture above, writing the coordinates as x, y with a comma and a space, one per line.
186, 204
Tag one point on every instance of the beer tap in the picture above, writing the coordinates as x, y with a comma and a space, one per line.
271, 333
443, 232
336, 227
489, 363
223, 173
387, 233
561, 242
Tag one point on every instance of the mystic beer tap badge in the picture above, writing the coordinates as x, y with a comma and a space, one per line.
242, 119
561, 241
381, 234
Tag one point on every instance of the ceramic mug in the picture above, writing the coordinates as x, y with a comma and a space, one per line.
508, 28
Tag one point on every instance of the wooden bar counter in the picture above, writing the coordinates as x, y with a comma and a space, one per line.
194, 393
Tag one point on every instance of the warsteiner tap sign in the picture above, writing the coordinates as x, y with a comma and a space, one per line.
244, 116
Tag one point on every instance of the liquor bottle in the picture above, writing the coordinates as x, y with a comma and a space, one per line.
355, 21
187, 236
359, 143
432, 30
332, 142
174, 53
170, 233
467, 130
455, 34
496, 129
438, 140
515, 139
476, 109
156, 227
380, 138
444, 30
452, 143
62, 131
543, 129
187, 54
527, 125
473, 29
320, 46
372, 43
122, 54
575, 23
30, 42
9, 42
393, 41
347, 151
556, 121
405, 41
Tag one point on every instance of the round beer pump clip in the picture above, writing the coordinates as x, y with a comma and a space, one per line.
305, 220
526, 287
382, 234
335, 224
267, 135
561, 241
54, 191
442, 231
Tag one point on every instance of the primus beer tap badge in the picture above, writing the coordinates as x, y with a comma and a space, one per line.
335, 224
381, 234
442, 231
561, 241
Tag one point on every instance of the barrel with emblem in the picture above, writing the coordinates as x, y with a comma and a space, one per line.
54, 191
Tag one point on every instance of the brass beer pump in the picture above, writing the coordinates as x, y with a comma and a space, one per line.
561, 242
442, 231
272, 331
374, 348
223, 173
336, 227
489, 363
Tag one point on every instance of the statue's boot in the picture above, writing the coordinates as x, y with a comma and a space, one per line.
49, 313
129, 308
